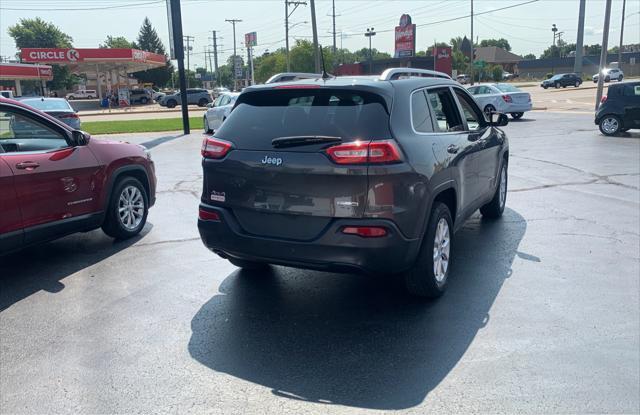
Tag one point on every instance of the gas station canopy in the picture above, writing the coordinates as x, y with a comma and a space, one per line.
85, 60
23, 72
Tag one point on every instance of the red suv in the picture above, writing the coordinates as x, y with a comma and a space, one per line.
55, 180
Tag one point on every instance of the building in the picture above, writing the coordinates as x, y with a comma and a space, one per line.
494, 55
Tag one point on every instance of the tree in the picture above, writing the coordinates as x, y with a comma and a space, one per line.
501, 43
529, 56
148, 40
118, 42
36, 33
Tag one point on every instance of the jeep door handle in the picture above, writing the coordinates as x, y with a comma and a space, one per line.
453, 149
27, 165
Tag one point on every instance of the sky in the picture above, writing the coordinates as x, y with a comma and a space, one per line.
526, 26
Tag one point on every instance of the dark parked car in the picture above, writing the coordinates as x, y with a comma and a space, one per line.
195, 96
56, 180
619, 110
368, 174
562, 80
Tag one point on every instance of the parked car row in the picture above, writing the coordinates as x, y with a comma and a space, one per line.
364, 174
572, 79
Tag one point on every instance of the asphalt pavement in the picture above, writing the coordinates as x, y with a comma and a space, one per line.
541, 316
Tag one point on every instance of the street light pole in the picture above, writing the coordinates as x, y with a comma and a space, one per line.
370, 33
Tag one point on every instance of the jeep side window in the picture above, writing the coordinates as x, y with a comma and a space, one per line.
470, 111
445, 110
420, 116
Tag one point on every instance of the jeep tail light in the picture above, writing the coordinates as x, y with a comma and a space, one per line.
209, 216
214, 148
507, 98
358, 152
365, 231
603, 99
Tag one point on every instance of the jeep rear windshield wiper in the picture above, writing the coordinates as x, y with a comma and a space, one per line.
303, 140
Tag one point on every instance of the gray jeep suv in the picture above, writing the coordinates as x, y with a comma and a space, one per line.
369, 174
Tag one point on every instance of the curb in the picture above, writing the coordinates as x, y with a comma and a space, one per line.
135, 112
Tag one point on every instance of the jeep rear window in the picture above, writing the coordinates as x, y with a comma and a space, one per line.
261, 116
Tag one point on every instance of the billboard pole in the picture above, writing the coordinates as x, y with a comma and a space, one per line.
175, 31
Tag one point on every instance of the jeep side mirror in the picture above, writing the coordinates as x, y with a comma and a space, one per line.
497, 119
80, 138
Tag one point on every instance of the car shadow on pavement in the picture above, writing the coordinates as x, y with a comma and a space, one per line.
43, 266
354, 340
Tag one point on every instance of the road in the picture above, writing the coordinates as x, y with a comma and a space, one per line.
541, 315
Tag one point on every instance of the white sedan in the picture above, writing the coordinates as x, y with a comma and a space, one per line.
219, 110
502, 98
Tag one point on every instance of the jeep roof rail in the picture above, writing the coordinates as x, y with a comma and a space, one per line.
393, 73
301, 75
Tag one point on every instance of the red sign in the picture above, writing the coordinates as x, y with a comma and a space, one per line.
405, 45
443, 59
71, 56
13, 71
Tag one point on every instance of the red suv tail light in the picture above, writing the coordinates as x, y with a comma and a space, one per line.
359, 152
365, 231
507, 98
603, 99
207, 215
214, 148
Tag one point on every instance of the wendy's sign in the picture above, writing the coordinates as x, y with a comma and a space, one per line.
442, 56
405, 44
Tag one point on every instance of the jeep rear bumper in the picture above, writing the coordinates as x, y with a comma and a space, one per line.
330, 251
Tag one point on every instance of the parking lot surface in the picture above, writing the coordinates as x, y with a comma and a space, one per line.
541, 315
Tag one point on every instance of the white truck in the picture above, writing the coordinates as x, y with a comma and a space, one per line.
82, 94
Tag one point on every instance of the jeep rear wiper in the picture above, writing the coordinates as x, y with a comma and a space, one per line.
303, 140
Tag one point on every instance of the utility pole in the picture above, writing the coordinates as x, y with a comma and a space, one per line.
315, 35
603, 52
554, 29
233, 22
559, 35
472, 49
188, 39
175, 27
624, 3
214, 39
295, 5
577, 66
370, 33
333, 14
209, 53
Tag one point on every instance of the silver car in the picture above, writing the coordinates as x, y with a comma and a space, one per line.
502, 98
609, 75
195, 96
56, 107
219, 110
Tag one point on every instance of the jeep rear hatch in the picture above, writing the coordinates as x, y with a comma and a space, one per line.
288, 161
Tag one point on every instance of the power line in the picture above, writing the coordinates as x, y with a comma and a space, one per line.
121, 6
